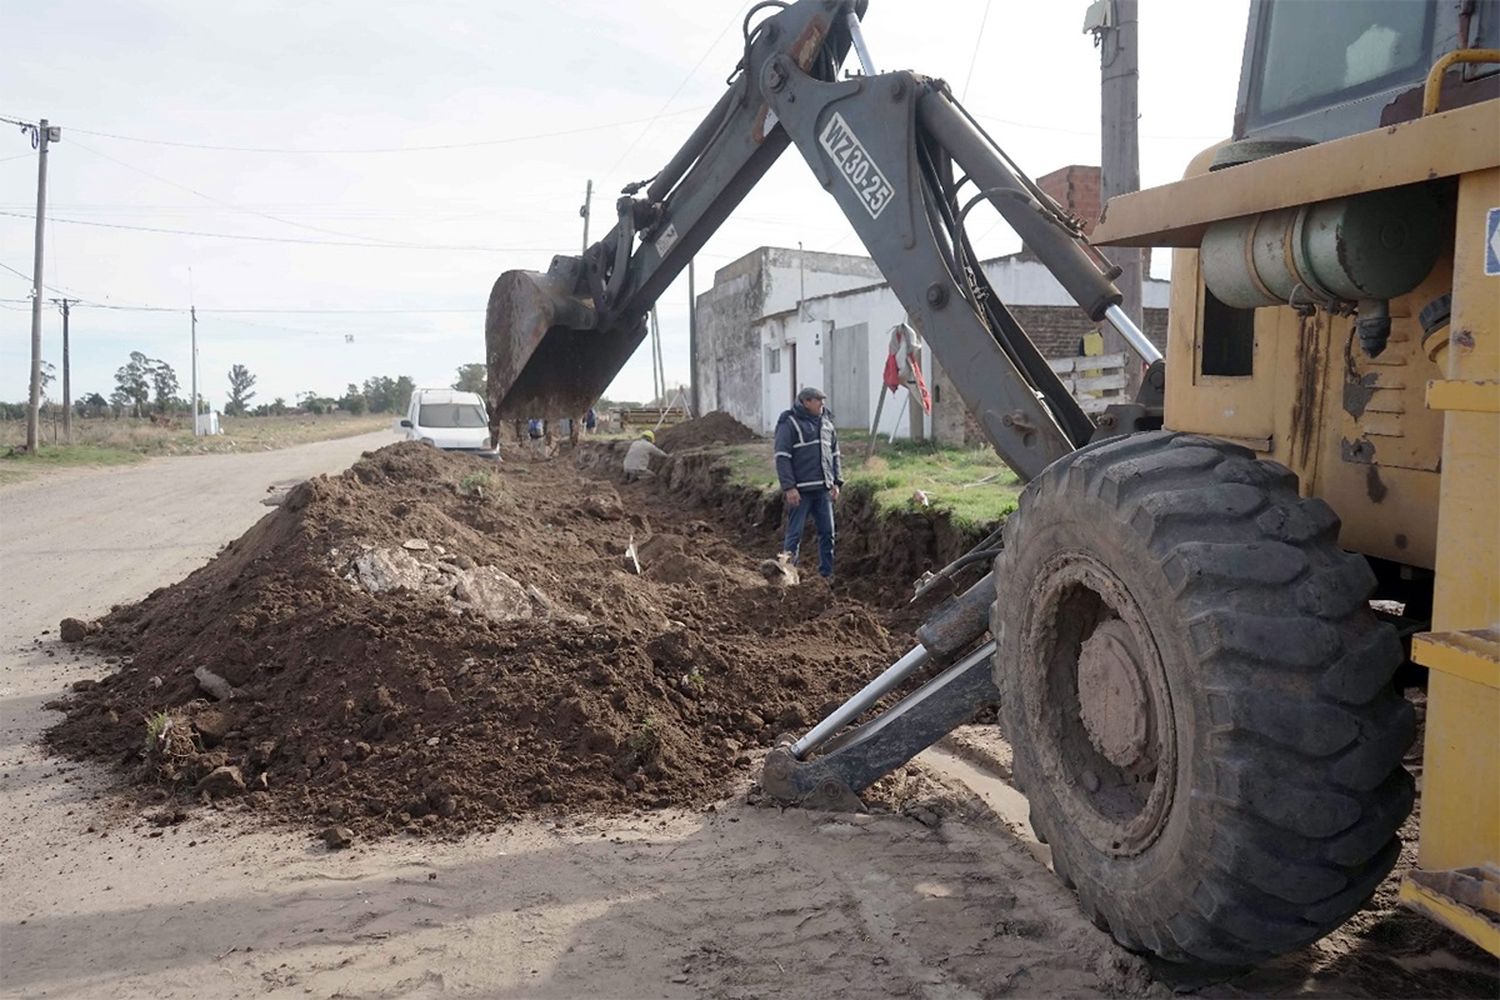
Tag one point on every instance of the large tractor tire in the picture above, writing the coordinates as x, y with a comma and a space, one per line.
1199, 699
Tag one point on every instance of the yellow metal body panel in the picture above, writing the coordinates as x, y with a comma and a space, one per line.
1461, 789
1454, 143
1356, 430
1475, 926
1472, 655
1476, 397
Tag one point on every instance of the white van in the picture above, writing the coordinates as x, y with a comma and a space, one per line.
449, 419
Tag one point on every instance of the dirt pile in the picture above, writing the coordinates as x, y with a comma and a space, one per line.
425, 642
717, 427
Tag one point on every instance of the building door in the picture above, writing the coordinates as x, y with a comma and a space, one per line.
846, 363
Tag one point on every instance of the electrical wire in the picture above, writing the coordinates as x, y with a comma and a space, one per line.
238, 208
286, 239
668, 103
100, 302
978, 37
1202, 137
360, 151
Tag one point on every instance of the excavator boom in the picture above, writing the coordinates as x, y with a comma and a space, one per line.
905, 163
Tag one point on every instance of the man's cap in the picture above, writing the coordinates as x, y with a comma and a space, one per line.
649, 436
810, 392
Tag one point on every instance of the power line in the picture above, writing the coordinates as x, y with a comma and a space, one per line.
1084, 132
219, 201
28, 279
91, 302
288, 239
978, 37
668, 103
359, 151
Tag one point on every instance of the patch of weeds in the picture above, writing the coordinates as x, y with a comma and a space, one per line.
646, 736
157, 727
475, 484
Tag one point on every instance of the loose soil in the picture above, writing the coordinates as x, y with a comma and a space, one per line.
427, 643
713, 428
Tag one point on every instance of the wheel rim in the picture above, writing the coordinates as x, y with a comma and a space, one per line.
1099, 705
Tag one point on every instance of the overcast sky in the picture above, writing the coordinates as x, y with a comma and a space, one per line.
325, 85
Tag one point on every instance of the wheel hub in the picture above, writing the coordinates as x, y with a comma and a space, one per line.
1105, 737
1112, 694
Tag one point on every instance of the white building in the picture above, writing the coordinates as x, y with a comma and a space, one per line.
776, 320
760, 339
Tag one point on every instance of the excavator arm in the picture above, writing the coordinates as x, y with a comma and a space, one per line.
906, 164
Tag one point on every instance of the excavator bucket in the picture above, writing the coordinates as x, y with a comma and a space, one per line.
547, 356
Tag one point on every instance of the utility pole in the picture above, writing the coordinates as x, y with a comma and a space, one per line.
692, 344
67, 401
193, 311
588, 200
1115, 32
42, 135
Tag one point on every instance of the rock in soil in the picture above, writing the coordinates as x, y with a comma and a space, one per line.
337, 837
73, 630
222, 782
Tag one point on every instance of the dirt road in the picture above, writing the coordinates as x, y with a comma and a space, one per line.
740, 901
75, 541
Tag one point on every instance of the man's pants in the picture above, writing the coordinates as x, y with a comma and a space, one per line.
820, 504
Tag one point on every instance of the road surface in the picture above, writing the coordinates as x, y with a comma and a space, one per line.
741, 901
77, 541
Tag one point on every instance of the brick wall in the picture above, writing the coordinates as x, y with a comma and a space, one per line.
1079, 189
1056, 331
1076, 188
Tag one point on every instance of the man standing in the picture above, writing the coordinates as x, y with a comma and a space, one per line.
639, 455
811, 473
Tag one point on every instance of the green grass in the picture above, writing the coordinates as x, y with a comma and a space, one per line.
16, 467
971, 484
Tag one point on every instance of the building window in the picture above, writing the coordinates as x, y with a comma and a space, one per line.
773, 360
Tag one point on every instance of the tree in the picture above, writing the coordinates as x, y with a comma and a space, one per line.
471, 378
133, 384
311, 402
378, 390
240, 391
384, 394
49, 375
404, 388
164, 382
92, 405
353, 401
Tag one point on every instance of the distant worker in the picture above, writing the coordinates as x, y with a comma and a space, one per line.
811, 472
638, 458
591, 421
